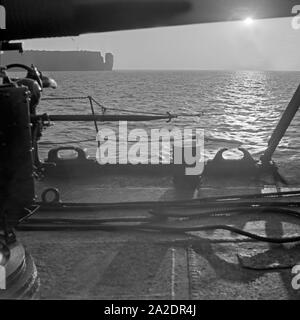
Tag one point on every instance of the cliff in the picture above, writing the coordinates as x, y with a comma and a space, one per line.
62, 60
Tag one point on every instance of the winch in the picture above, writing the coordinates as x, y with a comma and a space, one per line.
18, 100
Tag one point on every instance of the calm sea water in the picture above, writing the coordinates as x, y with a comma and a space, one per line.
240, 109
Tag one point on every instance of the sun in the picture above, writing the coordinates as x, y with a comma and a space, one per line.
248, 21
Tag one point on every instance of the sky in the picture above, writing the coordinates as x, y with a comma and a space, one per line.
261, 45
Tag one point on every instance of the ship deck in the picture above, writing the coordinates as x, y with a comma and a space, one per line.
158, 265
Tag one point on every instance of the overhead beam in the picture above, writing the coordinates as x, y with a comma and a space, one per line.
27, 19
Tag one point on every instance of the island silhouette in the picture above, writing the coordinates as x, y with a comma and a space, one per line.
62, 60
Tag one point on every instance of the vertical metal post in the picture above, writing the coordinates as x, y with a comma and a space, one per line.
282, 126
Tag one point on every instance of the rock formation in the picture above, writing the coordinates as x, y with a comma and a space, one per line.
61, 60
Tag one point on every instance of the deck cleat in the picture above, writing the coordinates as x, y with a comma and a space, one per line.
245, 168
221, 167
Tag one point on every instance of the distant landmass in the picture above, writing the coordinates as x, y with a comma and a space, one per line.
62, 60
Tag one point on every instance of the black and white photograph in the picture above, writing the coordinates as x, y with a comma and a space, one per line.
150, 153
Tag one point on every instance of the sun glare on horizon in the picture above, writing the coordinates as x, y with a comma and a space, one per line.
248, 21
